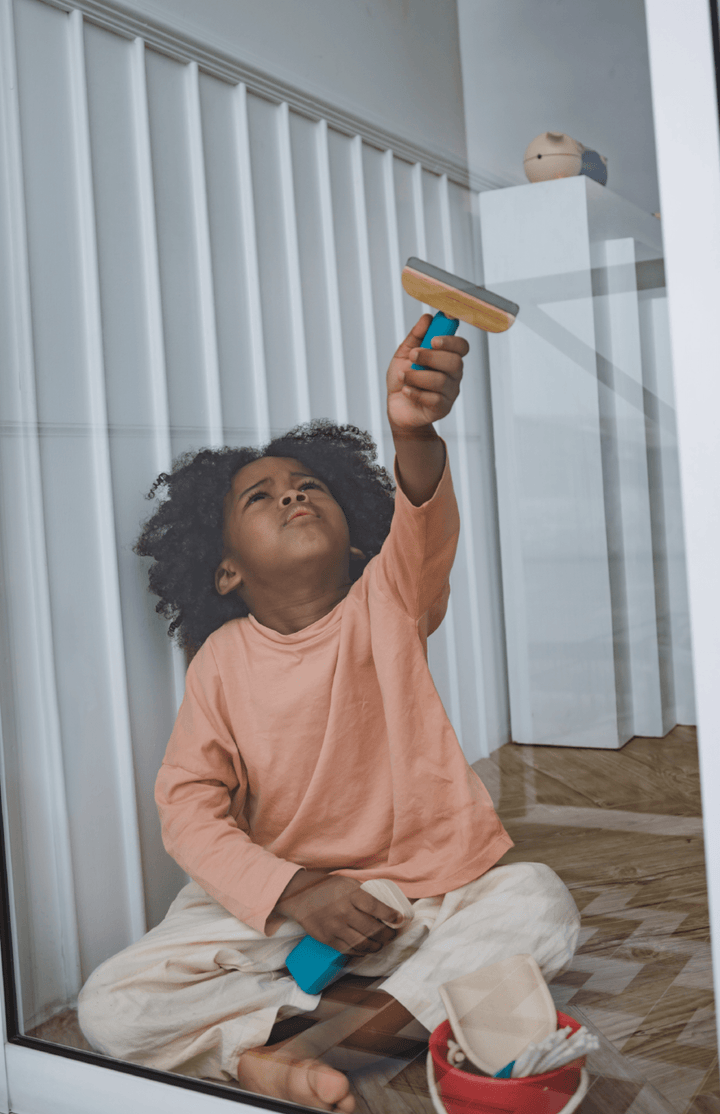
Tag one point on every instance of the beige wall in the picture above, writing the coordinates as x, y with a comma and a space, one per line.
395, 63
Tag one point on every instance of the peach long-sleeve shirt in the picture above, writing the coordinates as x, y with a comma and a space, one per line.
330, 748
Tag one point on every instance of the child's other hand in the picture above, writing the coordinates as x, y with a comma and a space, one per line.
419, 398
335, 910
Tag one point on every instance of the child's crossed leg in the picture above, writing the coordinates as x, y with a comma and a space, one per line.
200, 993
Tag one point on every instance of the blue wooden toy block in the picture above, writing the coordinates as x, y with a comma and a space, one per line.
314, 965
440, 326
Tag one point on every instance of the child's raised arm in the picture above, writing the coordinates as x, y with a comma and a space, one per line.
418, 397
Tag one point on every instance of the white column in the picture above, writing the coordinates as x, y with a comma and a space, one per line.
627, 494
678, 693
556, 583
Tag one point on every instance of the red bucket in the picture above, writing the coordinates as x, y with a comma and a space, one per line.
462, 1092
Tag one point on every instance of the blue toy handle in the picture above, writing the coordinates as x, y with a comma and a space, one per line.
506, 1072
440, 326
314, 965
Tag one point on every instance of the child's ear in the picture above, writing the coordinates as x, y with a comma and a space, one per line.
227, 577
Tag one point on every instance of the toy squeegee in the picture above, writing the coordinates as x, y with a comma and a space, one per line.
315, 965
457, 300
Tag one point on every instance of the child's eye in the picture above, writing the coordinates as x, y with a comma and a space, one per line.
311, 483
257, 495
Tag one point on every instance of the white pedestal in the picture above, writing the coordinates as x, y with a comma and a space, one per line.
593, 588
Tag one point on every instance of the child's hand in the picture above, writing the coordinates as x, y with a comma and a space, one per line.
419, 398
335, 910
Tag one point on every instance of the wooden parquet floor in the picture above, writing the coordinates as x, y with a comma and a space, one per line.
623, 830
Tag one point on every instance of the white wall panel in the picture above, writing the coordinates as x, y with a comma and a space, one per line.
231, 224
185, 279
37, 838
109, 614
384, 263
356, 310
318, 277
383, 251
90, 680
284, 351
407, 231
136, 392
296, 353
373, 360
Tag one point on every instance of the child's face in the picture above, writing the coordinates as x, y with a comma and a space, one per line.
280, 519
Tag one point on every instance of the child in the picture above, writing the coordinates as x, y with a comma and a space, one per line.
312, 752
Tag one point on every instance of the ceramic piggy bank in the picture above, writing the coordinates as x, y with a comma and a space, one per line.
556, 155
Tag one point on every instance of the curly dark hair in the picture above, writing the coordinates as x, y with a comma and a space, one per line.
184, 536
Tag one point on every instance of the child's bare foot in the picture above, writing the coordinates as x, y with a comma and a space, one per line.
277, 1073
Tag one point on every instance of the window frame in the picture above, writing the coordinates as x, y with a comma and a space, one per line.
45, 1078
39, 1078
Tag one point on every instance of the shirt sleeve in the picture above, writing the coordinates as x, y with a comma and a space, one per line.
413, 566
200, 792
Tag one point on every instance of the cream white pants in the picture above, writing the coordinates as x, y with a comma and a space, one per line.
202, 987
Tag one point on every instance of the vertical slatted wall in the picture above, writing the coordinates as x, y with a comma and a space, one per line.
184, 263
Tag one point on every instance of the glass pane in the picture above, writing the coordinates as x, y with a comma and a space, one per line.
192, 265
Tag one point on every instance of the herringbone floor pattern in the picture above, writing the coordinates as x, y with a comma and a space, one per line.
623, 830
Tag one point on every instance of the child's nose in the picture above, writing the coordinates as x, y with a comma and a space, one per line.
287, 499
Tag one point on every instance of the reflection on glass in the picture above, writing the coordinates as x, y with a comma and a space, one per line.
196, 267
